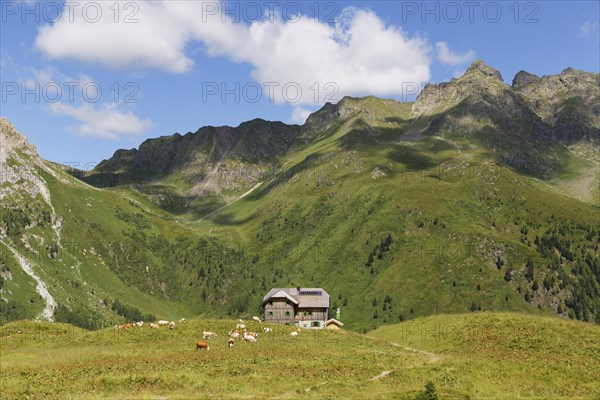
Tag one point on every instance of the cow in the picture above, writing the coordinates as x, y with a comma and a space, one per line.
295, 333
240, 326
202, 345
239, 332
253, 334
182, 321
163, 322
208, 335
172, 325
267, 329
257, 319
154, 326
231, 343
249, 338
139, 324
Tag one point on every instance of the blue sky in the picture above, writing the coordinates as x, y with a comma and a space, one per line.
165, 67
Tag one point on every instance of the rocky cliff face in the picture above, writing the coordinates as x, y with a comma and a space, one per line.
19, 160
520, 123
253, 142
569, 102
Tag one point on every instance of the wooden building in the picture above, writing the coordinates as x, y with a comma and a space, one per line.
302, 307
333, 324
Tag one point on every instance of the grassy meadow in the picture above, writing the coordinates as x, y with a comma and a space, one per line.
476, 356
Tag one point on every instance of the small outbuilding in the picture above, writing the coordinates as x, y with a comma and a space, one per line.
333, 324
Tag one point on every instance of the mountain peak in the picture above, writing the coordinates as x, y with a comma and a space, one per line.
524, 78
481, 67
11, 139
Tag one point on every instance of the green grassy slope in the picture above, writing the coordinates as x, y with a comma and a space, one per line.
392, 224
477, 356
505, 355
463, 230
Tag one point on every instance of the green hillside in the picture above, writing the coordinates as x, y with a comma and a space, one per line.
468, 356
473, 198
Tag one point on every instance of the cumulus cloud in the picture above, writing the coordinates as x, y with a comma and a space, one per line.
146, 36
447, 56
358, 55
104, 121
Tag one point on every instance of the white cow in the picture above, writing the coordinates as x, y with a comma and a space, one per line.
171, 325
249, 338
154, 326
295, 333
182, 321
267, 329
208, 335
163, 322
257, 319
240, 326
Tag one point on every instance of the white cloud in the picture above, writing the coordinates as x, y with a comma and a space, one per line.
299, 115
100, 120
447, 56
156, 40
360, 55
590, 29
105, 121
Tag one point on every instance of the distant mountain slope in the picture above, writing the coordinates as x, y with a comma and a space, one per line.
68, 251
466, 200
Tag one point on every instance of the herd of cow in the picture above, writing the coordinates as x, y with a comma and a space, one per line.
153, 325
238, 332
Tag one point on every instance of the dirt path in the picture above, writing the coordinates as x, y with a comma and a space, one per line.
381, 375
228, 204
433, 358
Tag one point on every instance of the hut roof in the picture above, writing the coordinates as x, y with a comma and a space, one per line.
333, 321
303, 298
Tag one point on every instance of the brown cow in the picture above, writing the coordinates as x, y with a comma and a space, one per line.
202, 345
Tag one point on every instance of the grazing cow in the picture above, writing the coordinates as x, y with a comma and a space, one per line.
257, 319
267, 329
163, 322
231, 343
295, 333
241, 321
154, 326
249, 338
253, 334
182, 321
140, 324
208, 335
236, 332
240, 326
202, 345
172, 325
